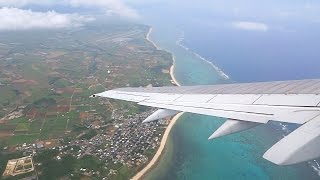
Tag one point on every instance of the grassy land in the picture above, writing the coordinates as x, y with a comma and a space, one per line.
25, 138
22, 127
53, 73
5, 157
7, 95
35, 126
53, 168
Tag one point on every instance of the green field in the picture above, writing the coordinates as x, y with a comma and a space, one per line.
7, 95
53, 73
40, 129
24, 138
35, 126
22, 127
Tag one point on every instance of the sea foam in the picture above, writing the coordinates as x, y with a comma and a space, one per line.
179, 42
284, 127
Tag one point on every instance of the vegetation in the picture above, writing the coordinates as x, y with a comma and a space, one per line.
90, 134
25, 138
44, 102
5, 157
52, 168
50, 76
90, 162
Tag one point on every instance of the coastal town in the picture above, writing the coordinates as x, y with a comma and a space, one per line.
50, 118
159, 90
127, 142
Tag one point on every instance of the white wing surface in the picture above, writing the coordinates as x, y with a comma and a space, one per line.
245, 105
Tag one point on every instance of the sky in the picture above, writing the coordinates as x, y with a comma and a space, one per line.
28, 14
249, 15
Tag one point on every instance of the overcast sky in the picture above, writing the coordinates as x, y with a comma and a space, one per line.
243, 14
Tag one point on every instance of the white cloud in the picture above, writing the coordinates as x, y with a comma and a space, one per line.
111, 7
18, 19
21, 3
250, 26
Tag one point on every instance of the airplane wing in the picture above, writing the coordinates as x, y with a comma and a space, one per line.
245, 105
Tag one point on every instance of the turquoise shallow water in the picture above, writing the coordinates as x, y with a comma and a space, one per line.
188, 153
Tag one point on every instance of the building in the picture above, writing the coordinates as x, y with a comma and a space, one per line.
19, 166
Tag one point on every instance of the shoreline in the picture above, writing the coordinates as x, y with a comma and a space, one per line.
174, 80
215, 67
159, 152
148, 39
313, 164
165, 136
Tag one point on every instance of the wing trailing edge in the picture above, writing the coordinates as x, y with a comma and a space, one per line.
245, 106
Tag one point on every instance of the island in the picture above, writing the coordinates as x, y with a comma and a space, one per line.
47, 116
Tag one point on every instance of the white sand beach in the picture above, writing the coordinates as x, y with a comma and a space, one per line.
156, 157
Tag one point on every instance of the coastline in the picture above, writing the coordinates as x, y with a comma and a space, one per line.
164, 139
175, 81
148, 39
179, 42
156, 157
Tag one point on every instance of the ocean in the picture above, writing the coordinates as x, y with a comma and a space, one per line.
259, 56
188, 153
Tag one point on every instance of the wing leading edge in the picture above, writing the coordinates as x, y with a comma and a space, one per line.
245, 105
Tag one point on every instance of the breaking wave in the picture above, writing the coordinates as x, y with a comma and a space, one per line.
179, 42
284, 127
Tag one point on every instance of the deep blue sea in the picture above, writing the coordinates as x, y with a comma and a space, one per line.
246, 56
243, 56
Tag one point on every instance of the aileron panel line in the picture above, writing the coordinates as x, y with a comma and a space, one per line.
245, 105
289, 100
245, 116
